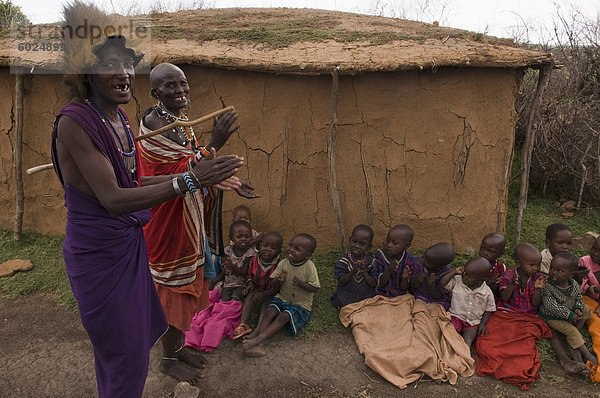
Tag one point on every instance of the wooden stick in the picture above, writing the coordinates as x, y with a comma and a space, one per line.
185, 124
194, 122
527, 150
37, 169
335, 196
19, 158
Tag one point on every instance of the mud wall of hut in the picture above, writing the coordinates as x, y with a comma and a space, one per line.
429, 149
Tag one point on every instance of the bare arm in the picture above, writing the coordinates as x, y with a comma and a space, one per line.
446, 278
304, 285
540, 283
506, 294
482, 328
86, 168
387, 272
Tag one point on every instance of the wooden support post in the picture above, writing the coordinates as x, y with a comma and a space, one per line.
331, 152
527, 150
18, 158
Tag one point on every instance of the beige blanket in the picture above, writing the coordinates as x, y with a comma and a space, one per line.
403, 339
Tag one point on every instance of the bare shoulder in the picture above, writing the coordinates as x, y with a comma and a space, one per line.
153, 121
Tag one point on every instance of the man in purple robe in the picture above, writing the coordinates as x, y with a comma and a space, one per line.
94, 156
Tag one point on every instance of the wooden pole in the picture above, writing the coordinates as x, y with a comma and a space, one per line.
331, 152
527, 151
18, 158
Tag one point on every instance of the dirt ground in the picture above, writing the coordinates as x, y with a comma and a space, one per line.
45, 352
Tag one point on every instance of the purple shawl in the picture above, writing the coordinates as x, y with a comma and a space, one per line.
107, 265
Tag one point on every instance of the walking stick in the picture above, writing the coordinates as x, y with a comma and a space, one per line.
37, 169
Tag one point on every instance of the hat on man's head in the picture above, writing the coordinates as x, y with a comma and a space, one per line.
86, 32
117, 41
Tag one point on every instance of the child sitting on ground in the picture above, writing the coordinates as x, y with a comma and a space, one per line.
258, 288
559, 238
563, 309
242, 212
353, 270
590, 286
521, 287
509, 351
472, 300
297, 280
393, 262
233, 273
591, 294
427, 272
492, 247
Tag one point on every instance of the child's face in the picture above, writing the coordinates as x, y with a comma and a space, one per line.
560, 271
595, 251
395, 243
360, 243
529, 262
299, 249
269, 248
241, 237
491, 250
561, 242
241, 214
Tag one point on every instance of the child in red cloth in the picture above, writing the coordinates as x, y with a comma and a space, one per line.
258, 288
491, 248
509, 352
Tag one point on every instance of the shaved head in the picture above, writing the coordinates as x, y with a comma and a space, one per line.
158, 73
478, 267
438, 255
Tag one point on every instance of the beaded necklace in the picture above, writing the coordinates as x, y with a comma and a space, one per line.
186, 134
354, 263
128, 157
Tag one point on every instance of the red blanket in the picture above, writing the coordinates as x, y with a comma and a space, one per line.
509, 351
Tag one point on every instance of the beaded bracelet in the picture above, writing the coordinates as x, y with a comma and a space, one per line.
188, 182
196, 180
202, 153
176, 188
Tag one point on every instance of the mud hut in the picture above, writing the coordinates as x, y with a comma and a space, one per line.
423, 119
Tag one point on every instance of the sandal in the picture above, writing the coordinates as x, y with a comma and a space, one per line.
242, 330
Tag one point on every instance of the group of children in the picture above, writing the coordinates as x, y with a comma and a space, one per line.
542, 283
550, 283
284, 288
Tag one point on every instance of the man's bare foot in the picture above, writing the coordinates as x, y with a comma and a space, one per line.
258, 351
250, 343
179, 371
191, 357
572, 367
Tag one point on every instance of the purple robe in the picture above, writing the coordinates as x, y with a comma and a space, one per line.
107, 265
421, 292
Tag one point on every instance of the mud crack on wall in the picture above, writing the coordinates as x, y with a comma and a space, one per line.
214, 86
465, 142
369, 196
13, 123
